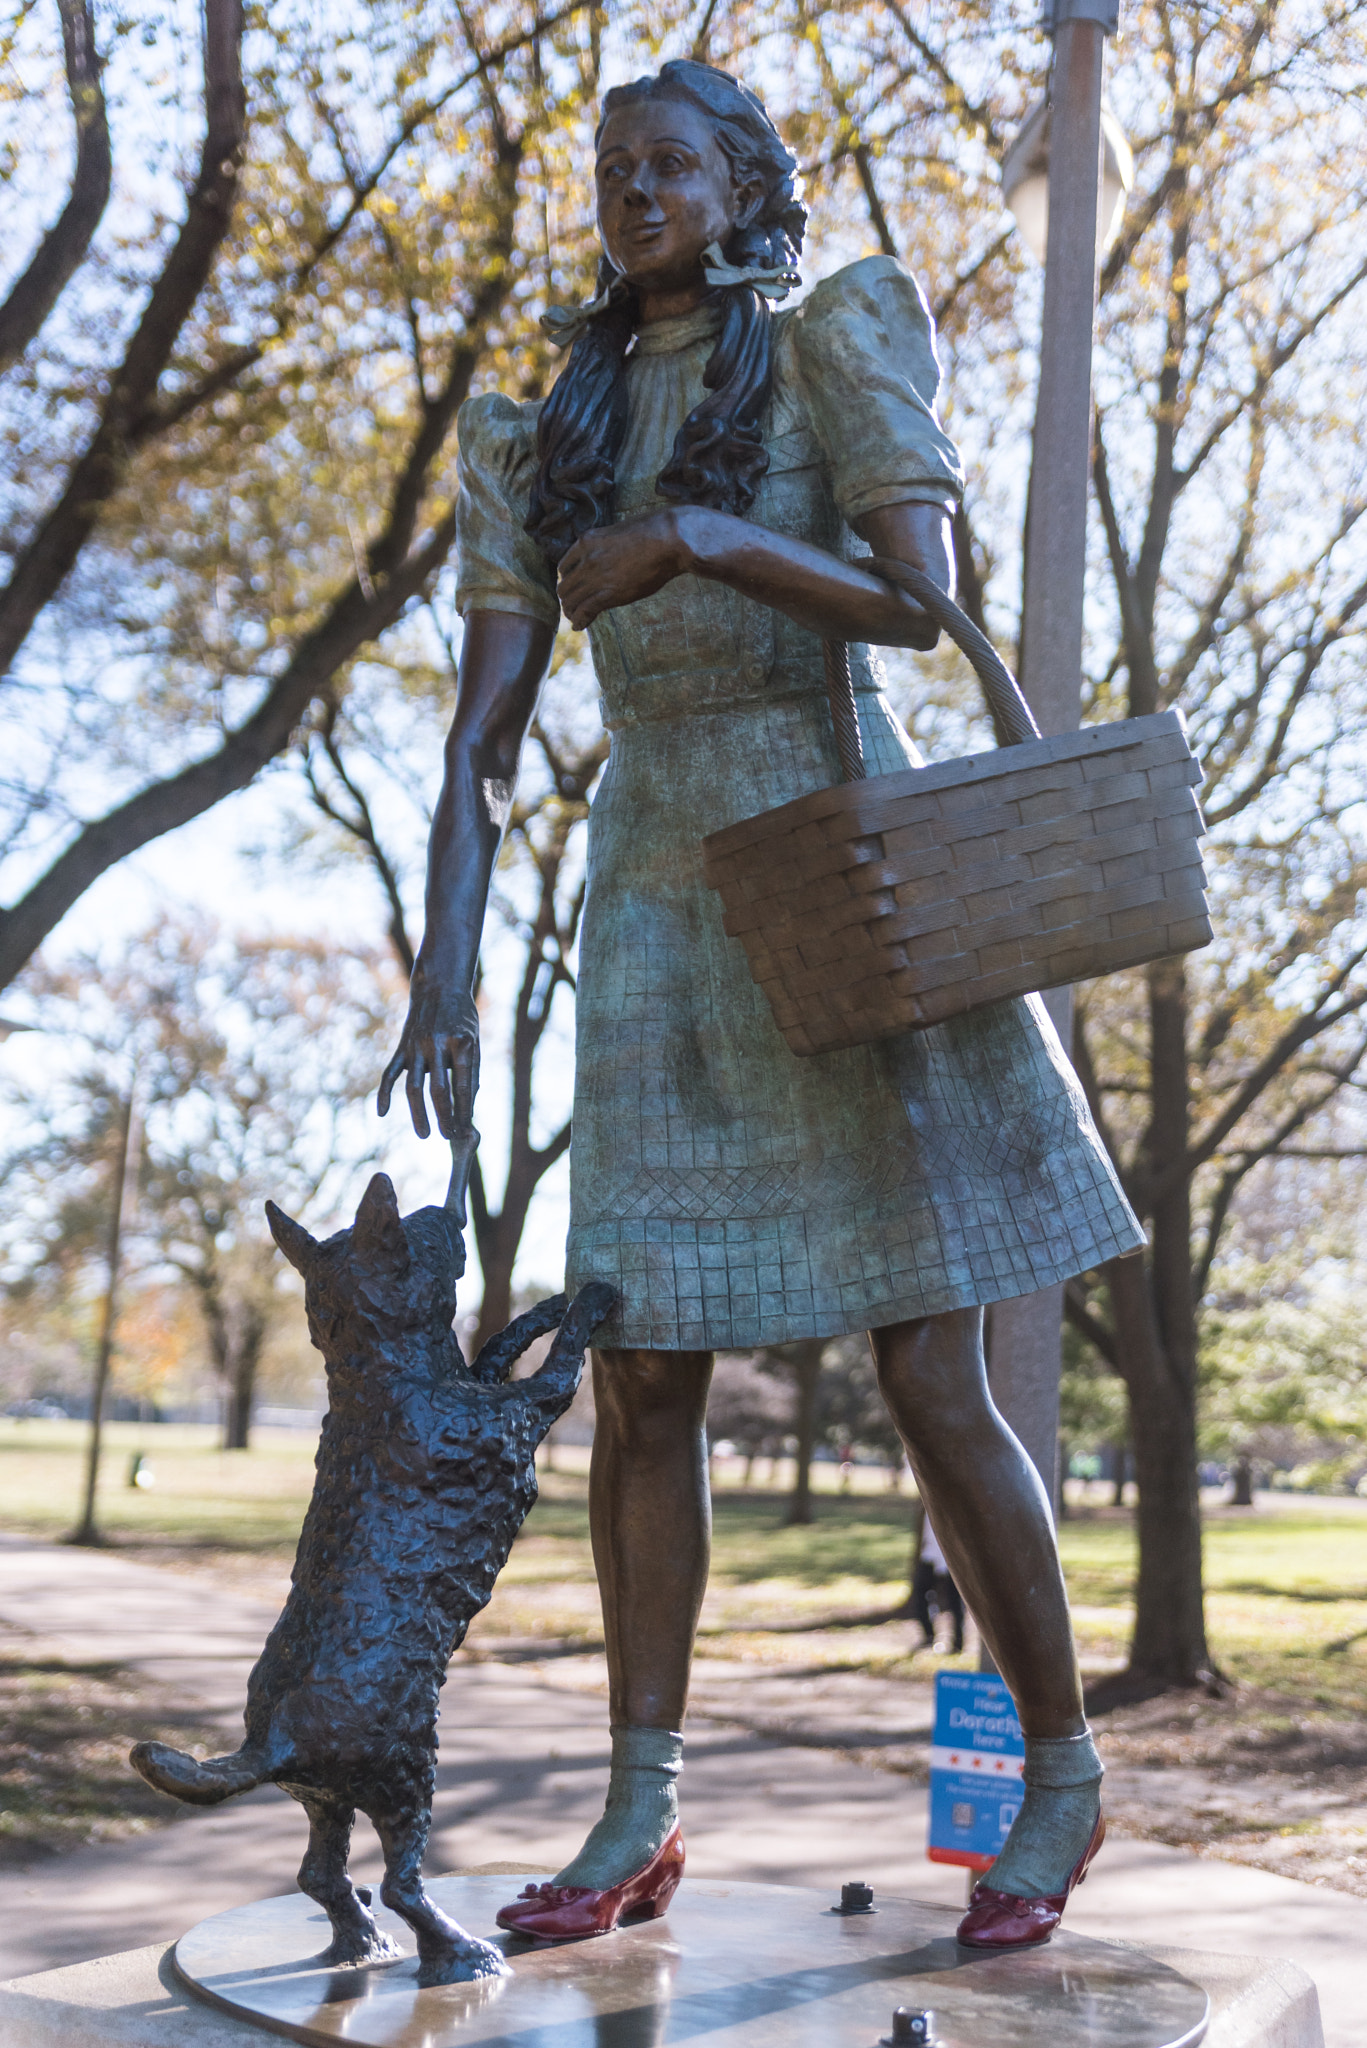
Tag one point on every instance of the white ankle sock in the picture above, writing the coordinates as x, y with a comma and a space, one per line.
1059, 1810
642, 1807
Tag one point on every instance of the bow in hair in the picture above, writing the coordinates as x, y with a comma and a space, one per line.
565, 324
774, 283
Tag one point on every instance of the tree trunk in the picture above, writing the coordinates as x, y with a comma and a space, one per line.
1169, 1641
805, 1359
125, 1184
497, 1239
1153, 1314
1121, 1454
244, 1357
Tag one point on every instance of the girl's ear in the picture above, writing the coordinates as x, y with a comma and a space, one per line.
749, 191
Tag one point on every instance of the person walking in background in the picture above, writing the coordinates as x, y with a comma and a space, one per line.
933, 1591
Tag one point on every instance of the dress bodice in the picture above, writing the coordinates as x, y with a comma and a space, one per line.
851, 425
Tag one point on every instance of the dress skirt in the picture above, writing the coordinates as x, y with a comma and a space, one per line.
736, 1195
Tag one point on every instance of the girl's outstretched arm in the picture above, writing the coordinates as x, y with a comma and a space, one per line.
503, 662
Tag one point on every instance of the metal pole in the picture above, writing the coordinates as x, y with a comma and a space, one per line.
125, 1185
1026, 1332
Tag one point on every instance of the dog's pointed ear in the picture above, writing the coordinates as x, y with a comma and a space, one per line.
378, 1233
294, 1241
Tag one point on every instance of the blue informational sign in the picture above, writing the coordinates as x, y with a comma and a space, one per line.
976, 1758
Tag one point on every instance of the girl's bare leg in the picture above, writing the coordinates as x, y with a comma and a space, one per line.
650, 1515
988, 1507
993, 1519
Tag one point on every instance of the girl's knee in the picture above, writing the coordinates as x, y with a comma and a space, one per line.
931, 1373
646, 1391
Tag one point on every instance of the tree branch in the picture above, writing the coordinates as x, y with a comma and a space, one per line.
947, 301
359, 824
1270, 762
1136, 634
1088, 1324
62, 249
44, 564
976, 114
863, 164
1307, 1027
1275, 361
1271, 1148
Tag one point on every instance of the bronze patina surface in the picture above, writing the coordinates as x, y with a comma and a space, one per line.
700, 492
425, 1472
732, 1965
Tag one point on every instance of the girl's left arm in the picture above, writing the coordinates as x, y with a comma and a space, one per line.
617, 565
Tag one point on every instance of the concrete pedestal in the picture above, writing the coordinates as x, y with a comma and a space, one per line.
753, 1965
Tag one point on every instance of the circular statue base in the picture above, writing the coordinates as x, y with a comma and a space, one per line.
752, 1965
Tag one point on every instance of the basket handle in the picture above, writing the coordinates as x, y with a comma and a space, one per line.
1012, 716
844, 714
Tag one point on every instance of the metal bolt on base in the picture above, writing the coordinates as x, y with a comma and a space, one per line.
855, 1898
909, 2026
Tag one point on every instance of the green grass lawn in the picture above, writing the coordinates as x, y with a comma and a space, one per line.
1286, 1595
1287, 1586
201, 1496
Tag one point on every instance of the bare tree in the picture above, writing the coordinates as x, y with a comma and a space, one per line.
250, 1055
232, 368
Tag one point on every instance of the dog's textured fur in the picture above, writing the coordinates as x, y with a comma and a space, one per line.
425, 1472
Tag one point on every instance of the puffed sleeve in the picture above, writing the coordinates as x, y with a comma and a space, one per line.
865, 345
499, 567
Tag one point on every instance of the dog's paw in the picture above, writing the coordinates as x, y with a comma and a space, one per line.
594, 1301
353, 1950
465, 1961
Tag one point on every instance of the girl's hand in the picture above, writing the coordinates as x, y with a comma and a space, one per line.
616, 565
440, 1049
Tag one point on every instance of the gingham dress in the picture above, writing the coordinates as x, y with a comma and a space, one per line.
731, 1192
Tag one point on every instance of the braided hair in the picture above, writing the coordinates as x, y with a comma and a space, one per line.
718, 457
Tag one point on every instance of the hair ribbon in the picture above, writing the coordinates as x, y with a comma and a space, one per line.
775, 283
563, 325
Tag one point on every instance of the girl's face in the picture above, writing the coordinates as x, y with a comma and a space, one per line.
665, 190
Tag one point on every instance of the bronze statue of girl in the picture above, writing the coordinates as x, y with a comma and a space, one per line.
696, 493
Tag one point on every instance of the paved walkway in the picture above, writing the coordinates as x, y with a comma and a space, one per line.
523, 1754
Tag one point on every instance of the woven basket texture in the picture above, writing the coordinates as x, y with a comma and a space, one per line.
887, 905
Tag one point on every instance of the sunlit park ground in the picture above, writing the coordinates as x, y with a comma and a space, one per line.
1287, 1584
1272, 1770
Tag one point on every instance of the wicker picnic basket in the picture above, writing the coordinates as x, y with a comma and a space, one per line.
887, 904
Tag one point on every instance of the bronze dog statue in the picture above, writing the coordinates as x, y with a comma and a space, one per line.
425, 1472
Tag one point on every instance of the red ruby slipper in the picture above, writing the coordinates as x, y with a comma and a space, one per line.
573, 1912
997, 1920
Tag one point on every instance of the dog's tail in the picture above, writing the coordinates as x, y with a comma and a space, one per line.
200, 1784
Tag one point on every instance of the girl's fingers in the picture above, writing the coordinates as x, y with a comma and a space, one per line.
388, 1078
441, 1089
464, 1082
417, 1105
